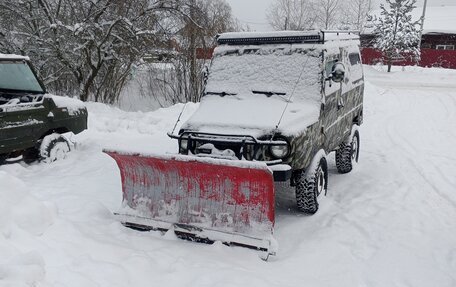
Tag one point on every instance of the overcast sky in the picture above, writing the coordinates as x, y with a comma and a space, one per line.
253, 12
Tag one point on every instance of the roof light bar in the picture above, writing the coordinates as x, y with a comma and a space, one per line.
270, 40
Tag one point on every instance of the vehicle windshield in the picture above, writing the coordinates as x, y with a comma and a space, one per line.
17, 76
279, 71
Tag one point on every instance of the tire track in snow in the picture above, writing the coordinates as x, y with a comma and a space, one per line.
412, 151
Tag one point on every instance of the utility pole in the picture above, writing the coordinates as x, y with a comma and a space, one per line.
422, 23
193, 97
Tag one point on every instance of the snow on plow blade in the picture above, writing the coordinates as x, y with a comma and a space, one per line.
206, 199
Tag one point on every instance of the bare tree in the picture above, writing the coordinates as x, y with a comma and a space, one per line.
329, 13
292, 15
305, 14
355, 14
181, 79
208, 18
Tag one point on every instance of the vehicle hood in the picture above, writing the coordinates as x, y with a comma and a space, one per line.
252, 114
73, 106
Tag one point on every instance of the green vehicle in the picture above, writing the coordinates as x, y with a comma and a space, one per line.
32, 122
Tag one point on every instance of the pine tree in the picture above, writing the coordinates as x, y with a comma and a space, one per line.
396, 33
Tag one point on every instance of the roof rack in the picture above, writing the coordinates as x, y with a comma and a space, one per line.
340, 35
284, 37
281, 37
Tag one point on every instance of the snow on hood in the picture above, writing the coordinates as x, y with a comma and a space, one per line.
292, 71
252, 114
74, 106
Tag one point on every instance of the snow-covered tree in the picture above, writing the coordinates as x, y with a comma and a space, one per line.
86, 48
397, 35
89, 48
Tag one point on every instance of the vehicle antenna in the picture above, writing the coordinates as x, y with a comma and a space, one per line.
291, 95
179, 118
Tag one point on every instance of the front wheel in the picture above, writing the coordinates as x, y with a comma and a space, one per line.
347, 155
311, 186
54, 147
30, 155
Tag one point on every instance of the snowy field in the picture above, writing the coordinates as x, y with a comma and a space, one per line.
391, 222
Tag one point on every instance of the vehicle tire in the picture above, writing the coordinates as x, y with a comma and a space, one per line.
310, 186
54, 147
31, 155
347, 155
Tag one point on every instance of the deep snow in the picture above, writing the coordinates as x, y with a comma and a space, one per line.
391, 222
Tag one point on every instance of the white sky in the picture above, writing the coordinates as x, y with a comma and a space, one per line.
253, 12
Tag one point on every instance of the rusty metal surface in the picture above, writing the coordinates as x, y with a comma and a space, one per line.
200, 193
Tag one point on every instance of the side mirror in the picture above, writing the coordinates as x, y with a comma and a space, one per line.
338, 72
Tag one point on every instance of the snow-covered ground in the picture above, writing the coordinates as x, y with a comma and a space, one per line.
391, 222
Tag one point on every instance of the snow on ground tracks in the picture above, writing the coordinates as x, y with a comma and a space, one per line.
391, 222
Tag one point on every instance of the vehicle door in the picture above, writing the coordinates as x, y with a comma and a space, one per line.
352, 88
332, 107
21, 121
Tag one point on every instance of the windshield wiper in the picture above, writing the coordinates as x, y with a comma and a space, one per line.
220, 94
19, 92
269, 94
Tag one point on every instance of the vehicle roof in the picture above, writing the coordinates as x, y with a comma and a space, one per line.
13, 57
286, 37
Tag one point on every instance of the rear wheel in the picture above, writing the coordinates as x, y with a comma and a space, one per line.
54, 147
347, 155
310, 187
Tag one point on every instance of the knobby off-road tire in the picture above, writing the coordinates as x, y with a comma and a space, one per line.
54, 147
311, 186
348, 154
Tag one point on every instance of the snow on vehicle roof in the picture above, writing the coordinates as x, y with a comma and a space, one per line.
439, 19
13, 57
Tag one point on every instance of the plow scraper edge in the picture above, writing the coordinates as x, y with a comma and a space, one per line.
199, 198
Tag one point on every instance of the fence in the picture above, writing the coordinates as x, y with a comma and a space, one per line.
429, 58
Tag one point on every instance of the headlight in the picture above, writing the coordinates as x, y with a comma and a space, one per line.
183, 144
279, 151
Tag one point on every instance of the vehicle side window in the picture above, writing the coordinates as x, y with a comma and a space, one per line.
354, 59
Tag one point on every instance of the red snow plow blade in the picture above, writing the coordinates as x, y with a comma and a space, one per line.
199, 198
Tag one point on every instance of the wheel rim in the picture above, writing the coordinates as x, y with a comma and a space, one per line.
321, 182
355, 149
59, 151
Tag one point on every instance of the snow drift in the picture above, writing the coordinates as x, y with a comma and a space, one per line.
388, 223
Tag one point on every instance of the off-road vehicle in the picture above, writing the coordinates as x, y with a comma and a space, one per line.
31, 121
284, 98
274, 106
